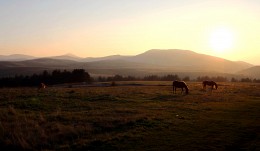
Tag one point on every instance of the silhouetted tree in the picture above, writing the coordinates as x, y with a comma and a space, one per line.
170, 78
187, 78
56, 77
233, 79
151, 78
246, 80
256, 80
217, 79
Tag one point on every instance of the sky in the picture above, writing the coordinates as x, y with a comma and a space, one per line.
228, 29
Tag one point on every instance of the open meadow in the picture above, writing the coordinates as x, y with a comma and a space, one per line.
131, 116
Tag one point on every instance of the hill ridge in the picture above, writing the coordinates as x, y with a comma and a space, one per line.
151, 61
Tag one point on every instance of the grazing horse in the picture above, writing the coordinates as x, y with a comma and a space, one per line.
179, 84
209, 83
41, 86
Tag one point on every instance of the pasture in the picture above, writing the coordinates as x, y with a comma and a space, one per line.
133, 116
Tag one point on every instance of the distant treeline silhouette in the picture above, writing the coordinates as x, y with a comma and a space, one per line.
169, 77
207, 78
172, 78
145, 78
54, 77
250, 80
80, 75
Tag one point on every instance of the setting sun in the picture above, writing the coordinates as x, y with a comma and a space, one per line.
221, 40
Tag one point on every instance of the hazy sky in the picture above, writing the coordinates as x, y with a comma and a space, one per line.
90, 28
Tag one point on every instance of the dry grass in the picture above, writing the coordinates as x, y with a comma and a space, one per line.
146, 116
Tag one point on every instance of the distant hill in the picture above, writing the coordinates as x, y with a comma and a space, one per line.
21, 57
42, 62
16, 57
28, 67
181, 60
154, 61
253, 72
112, 57
189, 61
68, 56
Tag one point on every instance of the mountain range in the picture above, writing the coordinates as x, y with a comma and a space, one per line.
155, 61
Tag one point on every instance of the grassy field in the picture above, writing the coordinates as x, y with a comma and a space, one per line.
138, 116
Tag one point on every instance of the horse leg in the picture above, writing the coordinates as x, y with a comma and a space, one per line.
204, 87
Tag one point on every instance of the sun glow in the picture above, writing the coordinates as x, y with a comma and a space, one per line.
221, 40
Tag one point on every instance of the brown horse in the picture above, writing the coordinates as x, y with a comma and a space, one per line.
179, 84
41, 86
209, 83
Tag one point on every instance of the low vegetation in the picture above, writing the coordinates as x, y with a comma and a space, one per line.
131, 116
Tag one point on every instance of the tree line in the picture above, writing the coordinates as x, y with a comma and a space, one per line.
145, 78
168, 77
80, 75
50, 78
171, 77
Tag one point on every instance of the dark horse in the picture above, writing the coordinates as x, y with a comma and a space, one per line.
209, 83
179, 84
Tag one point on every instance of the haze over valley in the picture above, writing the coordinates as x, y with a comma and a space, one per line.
154, 61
